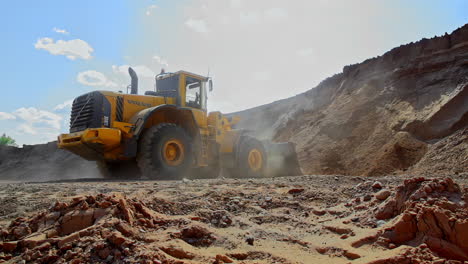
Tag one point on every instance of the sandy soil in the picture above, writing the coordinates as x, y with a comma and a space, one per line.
306, 219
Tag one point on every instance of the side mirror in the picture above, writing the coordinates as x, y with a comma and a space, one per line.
210, 85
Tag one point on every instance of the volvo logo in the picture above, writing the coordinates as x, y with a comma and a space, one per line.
138, 103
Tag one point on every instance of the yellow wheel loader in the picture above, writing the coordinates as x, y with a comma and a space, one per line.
168, 134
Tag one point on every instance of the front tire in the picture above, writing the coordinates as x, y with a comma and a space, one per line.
251, 159
165, 152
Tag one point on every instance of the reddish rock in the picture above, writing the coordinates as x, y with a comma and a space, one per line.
387, 210
117, 254
143, 210
116, 239
33, 241
99, 213
319, 212
239, 256
68, 239
104, 204
76, 220
321, 250
127, 214
125, 229
59, 206
383, 194
52, 233
250, 240
367, 197
338, 230
223, 259
197, 236
377, 185
104, 253
295, 191
10, 246
21, 231
177, 252
446, 249
351, 255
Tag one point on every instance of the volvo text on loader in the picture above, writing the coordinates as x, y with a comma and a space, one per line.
168, 134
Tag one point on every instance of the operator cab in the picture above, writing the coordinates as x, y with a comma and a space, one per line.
190, 90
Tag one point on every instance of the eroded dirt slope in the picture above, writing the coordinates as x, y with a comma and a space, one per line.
393, 114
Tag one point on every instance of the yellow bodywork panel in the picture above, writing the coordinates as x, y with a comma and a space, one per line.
124, 127
93, 144
200, 117
229, 141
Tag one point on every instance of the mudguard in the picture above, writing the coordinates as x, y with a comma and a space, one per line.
140, 119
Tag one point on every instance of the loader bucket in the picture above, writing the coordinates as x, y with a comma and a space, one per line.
282, 159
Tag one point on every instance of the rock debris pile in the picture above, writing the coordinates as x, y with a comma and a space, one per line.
431, 214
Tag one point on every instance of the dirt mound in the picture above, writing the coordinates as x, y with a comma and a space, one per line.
43, 162
87, 230
430, 214
400, 153
113, 229
352, 123
446, 157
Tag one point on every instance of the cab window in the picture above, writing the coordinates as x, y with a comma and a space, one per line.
193, 95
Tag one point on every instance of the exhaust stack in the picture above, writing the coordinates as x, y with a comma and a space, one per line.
134, 82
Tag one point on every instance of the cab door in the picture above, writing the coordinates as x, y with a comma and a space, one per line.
196, 99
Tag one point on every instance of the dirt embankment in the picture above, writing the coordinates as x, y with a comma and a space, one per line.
392, 114
43, 162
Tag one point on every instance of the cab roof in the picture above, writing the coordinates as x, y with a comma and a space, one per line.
169, 74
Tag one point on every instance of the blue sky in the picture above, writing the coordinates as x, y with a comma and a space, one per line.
55, 50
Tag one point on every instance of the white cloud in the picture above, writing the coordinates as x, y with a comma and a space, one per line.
33, 116
64, 105
30, 125
94, 78
236, 3
276, 13
197, 25
150, 9
249, 18
161, 61
262, 76
72, 49
6, 116
27, 129
305, 52
141, 70
61, 31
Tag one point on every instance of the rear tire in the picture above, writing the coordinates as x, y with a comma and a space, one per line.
118, 169
251, 159
165, 152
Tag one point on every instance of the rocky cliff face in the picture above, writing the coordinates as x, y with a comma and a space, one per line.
389, 114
